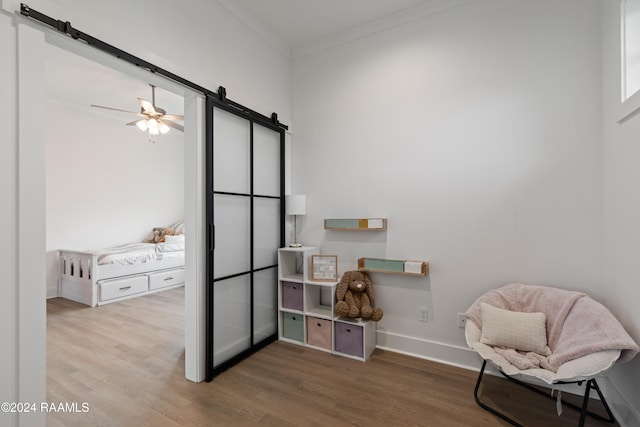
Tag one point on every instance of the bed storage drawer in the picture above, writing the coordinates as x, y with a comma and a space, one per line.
162, 279
122, 287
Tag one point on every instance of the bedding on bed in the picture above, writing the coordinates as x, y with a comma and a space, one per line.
137, 253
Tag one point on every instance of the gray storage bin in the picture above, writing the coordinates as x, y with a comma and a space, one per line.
348, 339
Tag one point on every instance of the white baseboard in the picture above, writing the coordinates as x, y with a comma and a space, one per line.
52, 292
461, 357
466, 358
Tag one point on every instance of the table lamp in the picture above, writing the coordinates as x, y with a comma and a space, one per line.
296, 204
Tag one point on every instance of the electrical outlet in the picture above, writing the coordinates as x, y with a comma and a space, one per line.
423, 314
462, 320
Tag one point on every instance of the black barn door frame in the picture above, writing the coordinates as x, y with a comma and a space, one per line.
212, 103
218, 99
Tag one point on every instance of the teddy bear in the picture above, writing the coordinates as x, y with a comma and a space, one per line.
354, 296
159, 233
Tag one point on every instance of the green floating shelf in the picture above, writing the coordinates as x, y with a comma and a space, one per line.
364, 224
394, 266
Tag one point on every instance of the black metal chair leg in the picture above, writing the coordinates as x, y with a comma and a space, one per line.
585, 402
591, 384
487, 407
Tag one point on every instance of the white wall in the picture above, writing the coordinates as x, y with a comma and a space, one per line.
621, 152
106, 184
476, 132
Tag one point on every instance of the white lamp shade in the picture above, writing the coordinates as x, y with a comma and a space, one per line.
142, 124
296, 204
162, 127
152, 124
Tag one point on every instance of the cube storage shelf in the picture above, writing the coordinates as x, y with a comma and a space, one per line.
306, 310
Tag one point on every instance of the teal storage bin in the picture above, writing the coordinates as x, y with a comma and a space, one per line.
384, 264
293, 326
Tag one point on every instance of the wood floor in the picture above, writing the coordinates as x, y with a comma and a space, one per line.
126, 360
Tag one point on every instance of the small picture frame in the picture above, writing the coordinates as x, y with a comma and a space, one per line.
324, 268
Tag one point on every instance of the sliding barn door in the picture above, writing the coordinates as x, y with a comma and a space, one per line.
246, 221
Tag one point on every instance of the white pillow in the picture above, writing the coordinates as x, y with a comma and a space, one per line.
511, 329
178, 227
174, 239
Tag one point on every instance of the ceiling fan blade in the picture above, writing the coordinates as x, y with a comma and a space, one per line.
117, 109
133, 123
172, 117
147, 106
173, 125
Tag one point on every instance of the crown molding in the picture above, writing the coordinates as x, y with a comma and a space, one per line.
376, 26
255, 25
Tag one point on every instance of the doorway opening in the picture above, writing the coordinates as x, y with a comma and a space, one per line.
106, 184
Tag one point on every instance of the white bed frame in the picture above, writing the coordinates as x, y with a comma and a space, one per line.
84, 281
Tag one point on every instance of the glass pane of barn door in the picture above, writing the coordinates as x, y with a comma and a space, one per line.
232, 218
265, 301
267, 230
231, 156
266, 164
266, 243
266, 190
232, 320
232, 278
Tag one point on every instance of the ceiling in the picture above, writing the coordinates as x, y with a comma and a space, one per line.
301, 22
299, 28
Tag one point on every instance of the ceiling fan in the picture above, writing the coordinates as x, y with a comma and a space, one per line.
153, 118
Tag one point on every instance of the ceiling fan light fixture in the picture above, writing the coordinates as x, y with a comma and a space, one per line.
153, 126
162, 127
155, 120
142, 125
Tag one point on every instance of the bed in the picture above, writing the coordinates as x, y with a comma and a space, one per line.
98, 277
